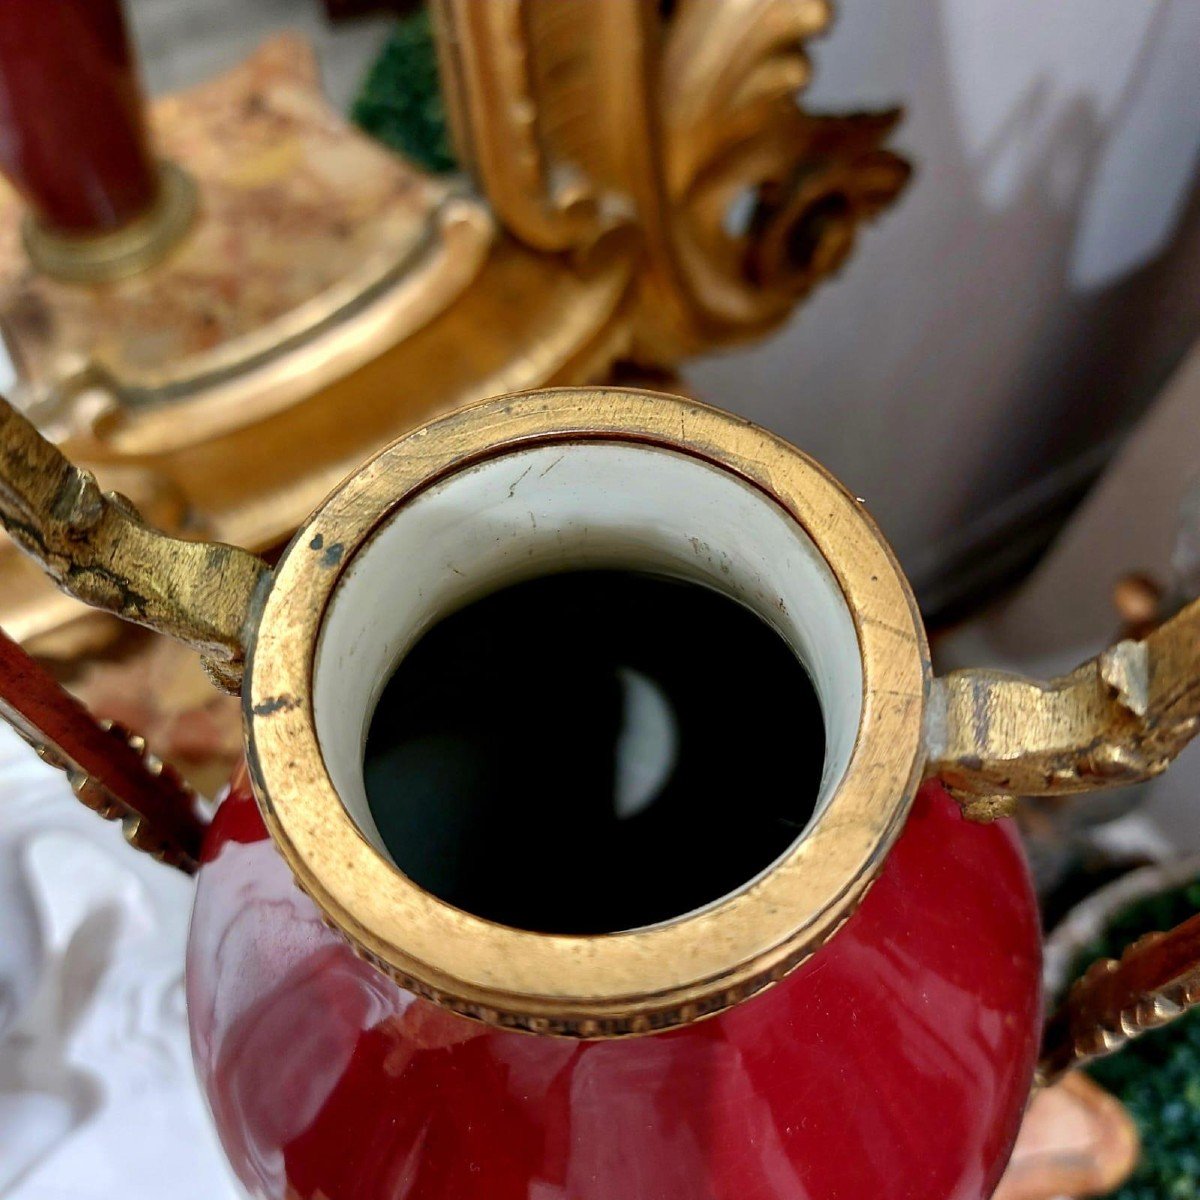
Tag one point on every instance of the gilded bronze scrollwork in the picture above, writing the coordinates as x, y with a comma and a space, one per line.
736, 201
1117, 719
1155, 981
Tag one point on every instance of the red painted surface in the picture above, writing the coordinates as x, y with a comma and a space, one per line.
894, 1064
72, 132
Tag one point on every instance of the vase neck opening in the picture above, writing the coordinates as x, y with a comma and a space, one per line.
639, 914
593, 780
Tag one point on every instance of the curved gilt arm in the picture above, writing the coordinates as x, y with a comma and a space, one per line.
110, 770
1117, 719
1156, 980
96, 548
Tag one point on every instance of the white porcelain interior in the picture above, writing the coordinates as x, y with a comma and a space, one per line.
563, 507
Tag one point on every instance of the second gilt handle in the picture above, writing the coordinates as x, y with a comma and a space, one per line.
1119, 718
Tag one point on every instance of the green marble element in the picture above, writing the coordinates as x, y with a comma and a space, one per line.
401, 100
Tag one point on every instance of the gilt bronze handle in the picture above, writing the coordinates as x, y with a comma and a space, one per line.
96, 548
1118, 719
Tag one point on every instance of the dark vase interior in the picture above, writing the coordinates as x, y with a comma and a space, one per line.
594, 751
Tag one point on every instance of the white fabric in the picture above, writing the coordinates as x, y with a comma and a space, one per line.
98, 1098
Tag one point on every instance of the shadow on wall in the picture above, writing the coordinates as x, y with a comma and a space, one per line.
990, 340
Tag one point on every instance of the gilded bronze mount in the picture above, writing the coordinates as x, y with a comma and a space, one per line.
623, 983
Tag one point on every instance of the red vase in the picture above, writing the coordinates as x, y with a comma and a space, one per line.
894, 1064
860, 1019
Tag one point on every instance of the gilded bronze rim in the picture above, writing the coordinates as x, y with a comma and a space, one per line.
614, 984
126, 251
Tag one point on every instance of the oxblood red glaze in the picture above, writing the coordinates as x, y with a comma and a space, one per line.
72, 132
894, 1064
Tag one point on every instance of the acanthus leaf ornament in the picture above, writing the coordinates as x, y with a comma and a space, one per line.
691, 142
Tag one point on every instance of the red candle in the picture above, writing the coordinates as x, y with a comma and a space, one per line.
72, 132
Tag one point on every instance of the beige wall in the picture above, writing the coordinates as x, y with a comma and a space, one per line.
1034, 287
